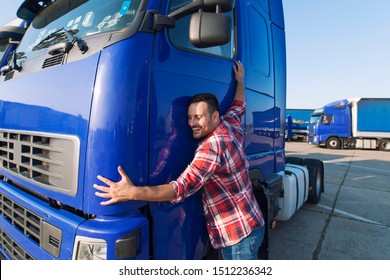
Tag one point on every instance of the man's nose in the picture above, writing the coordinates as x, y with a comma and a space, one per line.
191, 122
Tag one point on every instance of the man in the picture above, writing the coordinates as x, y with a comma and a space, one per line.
234, 220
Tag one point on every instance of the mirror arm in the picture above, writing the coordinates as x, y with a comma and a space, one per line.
161, 21
195, 5
187, 9
154, 21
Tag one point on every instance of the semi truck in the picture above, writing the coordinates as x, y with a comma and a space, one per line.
297, 121
97, 84
360, 123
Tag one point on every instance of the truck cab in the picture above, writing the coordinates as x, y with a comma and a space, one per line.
352, 123
330, 124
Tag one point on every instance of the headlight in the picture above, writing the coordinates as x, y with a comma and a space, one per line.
89, 249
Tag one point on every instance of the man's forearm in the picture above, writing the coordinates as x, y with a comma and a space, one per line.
240, 94
156, 193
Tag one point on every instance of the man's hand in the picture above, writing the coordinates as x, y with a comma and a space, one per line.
239, 76
125, 190
116, 191
239, 72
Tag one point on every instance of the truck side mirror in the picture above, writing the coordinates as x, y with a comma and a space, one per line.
11, 34
209, 29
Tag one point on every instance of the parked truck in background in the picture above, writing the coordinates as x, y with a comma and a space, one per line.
97, 84
361, 123
297, 121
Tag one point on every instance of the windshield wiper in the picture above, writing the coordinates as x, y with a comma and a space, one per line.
61, 35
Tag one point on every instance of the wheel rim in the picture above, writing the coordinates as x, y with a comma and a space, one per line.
385, 145
333, 143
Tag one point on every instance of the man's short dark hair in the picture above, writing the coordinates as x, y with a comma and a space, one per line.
209, 98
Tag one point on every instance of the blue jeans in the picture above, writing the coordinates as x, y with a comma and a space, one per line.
246, 249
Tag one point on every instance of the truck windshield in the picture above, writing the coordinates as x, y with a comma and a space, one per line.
315, 119
81, 18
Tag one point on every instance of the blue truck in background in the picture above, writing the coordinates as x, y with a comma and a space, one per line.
96, 84
297, 121
361, 123
10, 36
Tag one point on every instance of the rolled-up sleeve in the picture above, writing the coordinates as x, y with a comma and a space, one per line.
235, 113
203, 166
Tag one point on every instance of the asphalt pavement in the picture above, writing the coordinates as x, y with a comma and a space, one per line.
351, 220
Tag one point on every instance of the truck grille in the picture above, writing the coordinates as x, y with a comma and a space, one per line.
12, 248
40, 232
27, 222
47, 160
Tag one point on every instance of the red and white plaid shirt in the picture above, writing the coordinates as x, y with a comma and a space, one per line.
221, 169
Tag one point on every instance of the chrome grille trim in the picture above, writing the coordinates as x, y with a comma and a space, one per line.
47, 160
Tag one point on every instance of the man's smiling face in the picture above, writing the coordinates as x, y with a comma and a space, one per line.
200, 120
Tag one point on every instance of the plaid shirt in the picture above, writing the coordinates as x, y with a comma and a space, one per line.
221, 169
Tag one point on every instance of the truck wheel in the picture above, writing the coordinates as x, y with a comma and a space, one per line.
316, 179
384, 145
333, 143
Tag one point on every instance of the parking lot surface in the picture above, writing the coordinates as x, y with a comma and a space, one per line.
352, 219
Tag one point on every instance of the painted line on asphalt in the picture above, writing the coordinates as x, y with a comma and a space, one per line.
353, 216
357, 166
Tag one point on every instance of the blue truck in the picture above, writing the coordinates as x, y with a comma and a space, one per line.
96, 84
361, 123
297, 121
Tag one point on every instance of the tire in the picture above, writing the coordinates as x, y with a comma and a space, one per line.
333, 143
384, 145
316, 179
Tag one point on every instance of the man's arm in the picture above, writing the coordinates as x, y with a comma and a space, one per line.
125, 190
239, 76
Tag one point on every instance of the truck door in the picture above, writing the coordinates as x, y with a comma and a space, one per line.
180, 71
265, 117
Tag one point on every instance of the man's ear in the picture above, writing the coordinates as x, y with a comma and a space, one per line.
215, 117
